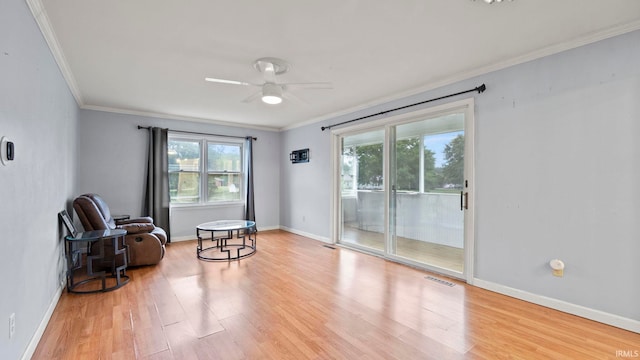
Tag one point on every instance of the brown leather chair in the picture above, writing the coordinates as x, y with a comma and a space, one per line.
145, 241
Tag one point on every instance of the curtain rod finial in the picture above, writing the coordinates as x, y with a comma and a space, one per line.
481, 88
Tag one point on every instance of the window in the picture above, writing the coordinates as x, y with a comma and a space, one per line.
205, 170
426, 161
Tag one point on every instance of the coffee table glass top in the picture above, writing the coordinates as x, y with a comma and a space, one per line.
226, 225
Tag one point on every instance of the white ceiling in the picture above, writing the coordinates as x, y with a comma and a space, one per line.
151, 56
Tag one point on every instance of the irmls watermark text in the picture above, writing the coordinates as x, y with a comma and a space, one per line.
628, 353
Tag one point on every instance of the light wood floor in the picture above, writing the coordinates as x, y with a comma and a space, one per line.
443, 256
297, 299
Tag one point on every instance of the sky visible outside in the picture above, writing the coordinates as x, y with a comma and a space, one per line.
436, 143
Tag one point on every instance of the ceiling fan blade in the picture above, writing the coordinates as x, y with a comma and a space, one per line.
231, 82
310, 85
290, 96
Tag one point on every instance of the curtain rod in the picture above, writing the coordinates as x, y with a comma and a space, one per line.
479, 89
200, 133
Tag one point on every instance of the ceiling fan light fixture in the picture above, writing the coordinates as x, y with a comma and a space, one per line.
271, 99
271, 94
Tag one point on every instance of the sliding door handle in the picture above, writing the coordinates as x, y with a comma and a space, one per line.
464, 200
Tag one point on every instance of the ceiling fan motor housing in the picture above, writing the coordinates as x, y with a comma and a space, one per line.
271, 93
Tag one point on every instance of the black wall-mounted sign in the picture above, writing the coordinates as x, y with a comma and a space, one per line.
299, 156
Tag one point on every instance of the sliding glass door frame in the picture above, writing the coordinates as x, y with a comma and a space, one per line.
389, 124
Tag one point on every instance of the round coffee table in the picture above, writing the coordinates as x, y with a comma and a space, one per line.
226, 246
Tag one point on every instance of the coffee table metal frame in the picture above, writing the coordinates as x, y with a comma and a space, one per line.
222, 234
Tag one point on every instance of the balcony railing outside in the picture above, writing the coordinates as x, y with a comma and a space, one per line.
429, 217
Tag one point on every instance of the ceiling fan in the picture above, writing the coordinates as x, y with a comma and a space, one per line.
272, 92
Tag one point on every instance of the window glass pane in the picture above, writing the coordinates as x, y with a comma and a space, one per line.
224, 187
348, 174
444, 162
184, 167
408, 164
184, 155
224, 157
184, 187
362, 202
370, 166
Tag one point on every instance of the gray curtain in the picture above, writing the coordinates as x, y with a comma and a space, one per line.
250, 212
156, 203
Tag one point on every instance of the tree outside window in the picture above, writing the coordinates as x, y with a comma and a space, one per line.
453, 169
440, 177
369, 166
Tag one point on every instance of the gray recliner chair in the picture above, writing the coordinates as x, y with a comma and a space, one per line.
145, 241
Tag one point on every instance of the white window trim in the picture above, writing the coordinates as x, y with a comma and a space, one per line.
203, 140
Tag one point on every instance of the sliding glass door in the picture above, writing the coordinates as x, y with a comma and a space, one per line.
404, 189
427, 172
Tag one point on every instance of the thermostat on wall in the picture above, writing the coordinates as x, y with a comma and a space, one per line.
7, 150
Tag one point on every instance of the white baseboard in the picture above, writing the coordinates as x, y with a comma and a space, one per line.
306, 234
267, 228
35, 339
183, 238
578, 310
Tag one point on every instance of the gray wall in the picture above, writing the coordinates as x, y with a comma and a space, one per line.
556, 172
39, 114
111, 162
305, 187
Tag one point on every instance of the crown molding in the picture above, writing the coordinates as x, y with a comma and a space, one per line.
40, 15
176, 117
